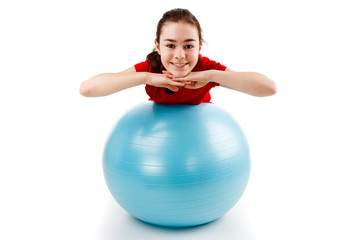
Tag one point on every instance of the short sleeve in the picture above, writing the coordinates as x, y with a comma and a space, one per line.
143, 66
217, 66
205, 63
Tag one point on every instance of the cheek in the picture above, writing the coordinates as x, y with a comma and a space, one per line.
165, 57
194, 58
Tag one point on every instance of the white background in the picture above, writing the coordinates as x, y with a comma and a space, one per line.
304, 141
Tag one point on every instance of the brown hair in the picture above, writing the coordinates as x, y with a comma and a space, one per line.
174, 15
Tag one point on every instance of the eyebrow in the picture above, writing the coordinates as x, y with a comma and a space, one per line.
187, 40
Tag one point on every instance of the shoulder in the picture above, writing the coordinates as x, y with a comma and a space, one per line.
204, 63
144, 66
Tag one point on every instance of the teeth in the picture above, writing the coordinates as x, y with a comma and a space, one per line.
179, 64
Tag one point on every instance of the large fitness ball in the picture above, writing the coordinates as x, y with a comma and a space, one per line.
177, 165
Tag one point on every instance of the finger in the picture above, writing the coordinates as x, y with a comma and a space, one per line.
172, 88
167, 73
169, 76
189, 86
180, 79
187, 83
173, 83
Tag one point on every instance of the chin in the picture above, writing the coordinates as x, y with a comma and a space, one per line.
180, 74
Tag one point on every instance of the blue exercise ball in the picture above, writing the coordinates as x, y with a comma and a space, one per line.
176, 165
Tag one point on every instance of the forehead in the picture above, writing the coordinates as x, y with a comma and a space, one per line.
179, 31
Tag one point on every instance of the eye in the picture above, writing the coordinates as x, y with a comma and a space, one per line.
170, 46
188, 46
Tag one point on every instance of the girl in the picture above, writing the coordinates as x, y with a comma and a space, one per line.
176, 72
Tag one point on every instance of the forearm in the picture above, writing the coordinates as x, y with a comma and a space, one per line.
109, 83
252, 83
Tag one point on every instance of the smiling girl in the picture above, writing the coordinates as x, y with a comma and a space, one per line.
176, 72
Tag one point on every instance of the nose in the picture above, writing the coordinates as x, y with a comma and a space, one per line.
180, 53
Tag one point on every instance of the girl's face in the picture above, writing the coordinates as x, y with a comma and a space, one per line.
179, 47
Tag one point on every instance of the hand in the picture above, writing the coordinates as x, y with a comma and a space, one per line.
165, 80
194, 80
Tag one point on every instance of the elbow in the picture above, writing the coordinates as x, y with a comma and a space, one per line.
269, 88
86, 89
267, 92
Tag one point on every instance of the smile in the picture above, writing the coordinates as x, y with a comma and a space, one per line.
179, 65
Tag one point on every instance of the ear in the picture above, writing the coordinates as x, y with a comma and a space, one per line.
201, 43
157, 47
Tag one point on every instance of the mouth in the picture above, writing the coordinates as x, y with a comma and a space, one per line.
179, 65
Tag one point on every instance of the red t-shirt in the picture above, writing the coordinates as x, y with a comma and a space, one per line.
183, 95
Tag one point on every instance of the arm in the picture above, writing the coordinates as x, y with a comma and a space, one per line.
252, 83
109, 83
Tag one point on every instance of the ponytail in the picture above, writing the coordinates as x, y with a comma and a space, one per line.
155, 62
